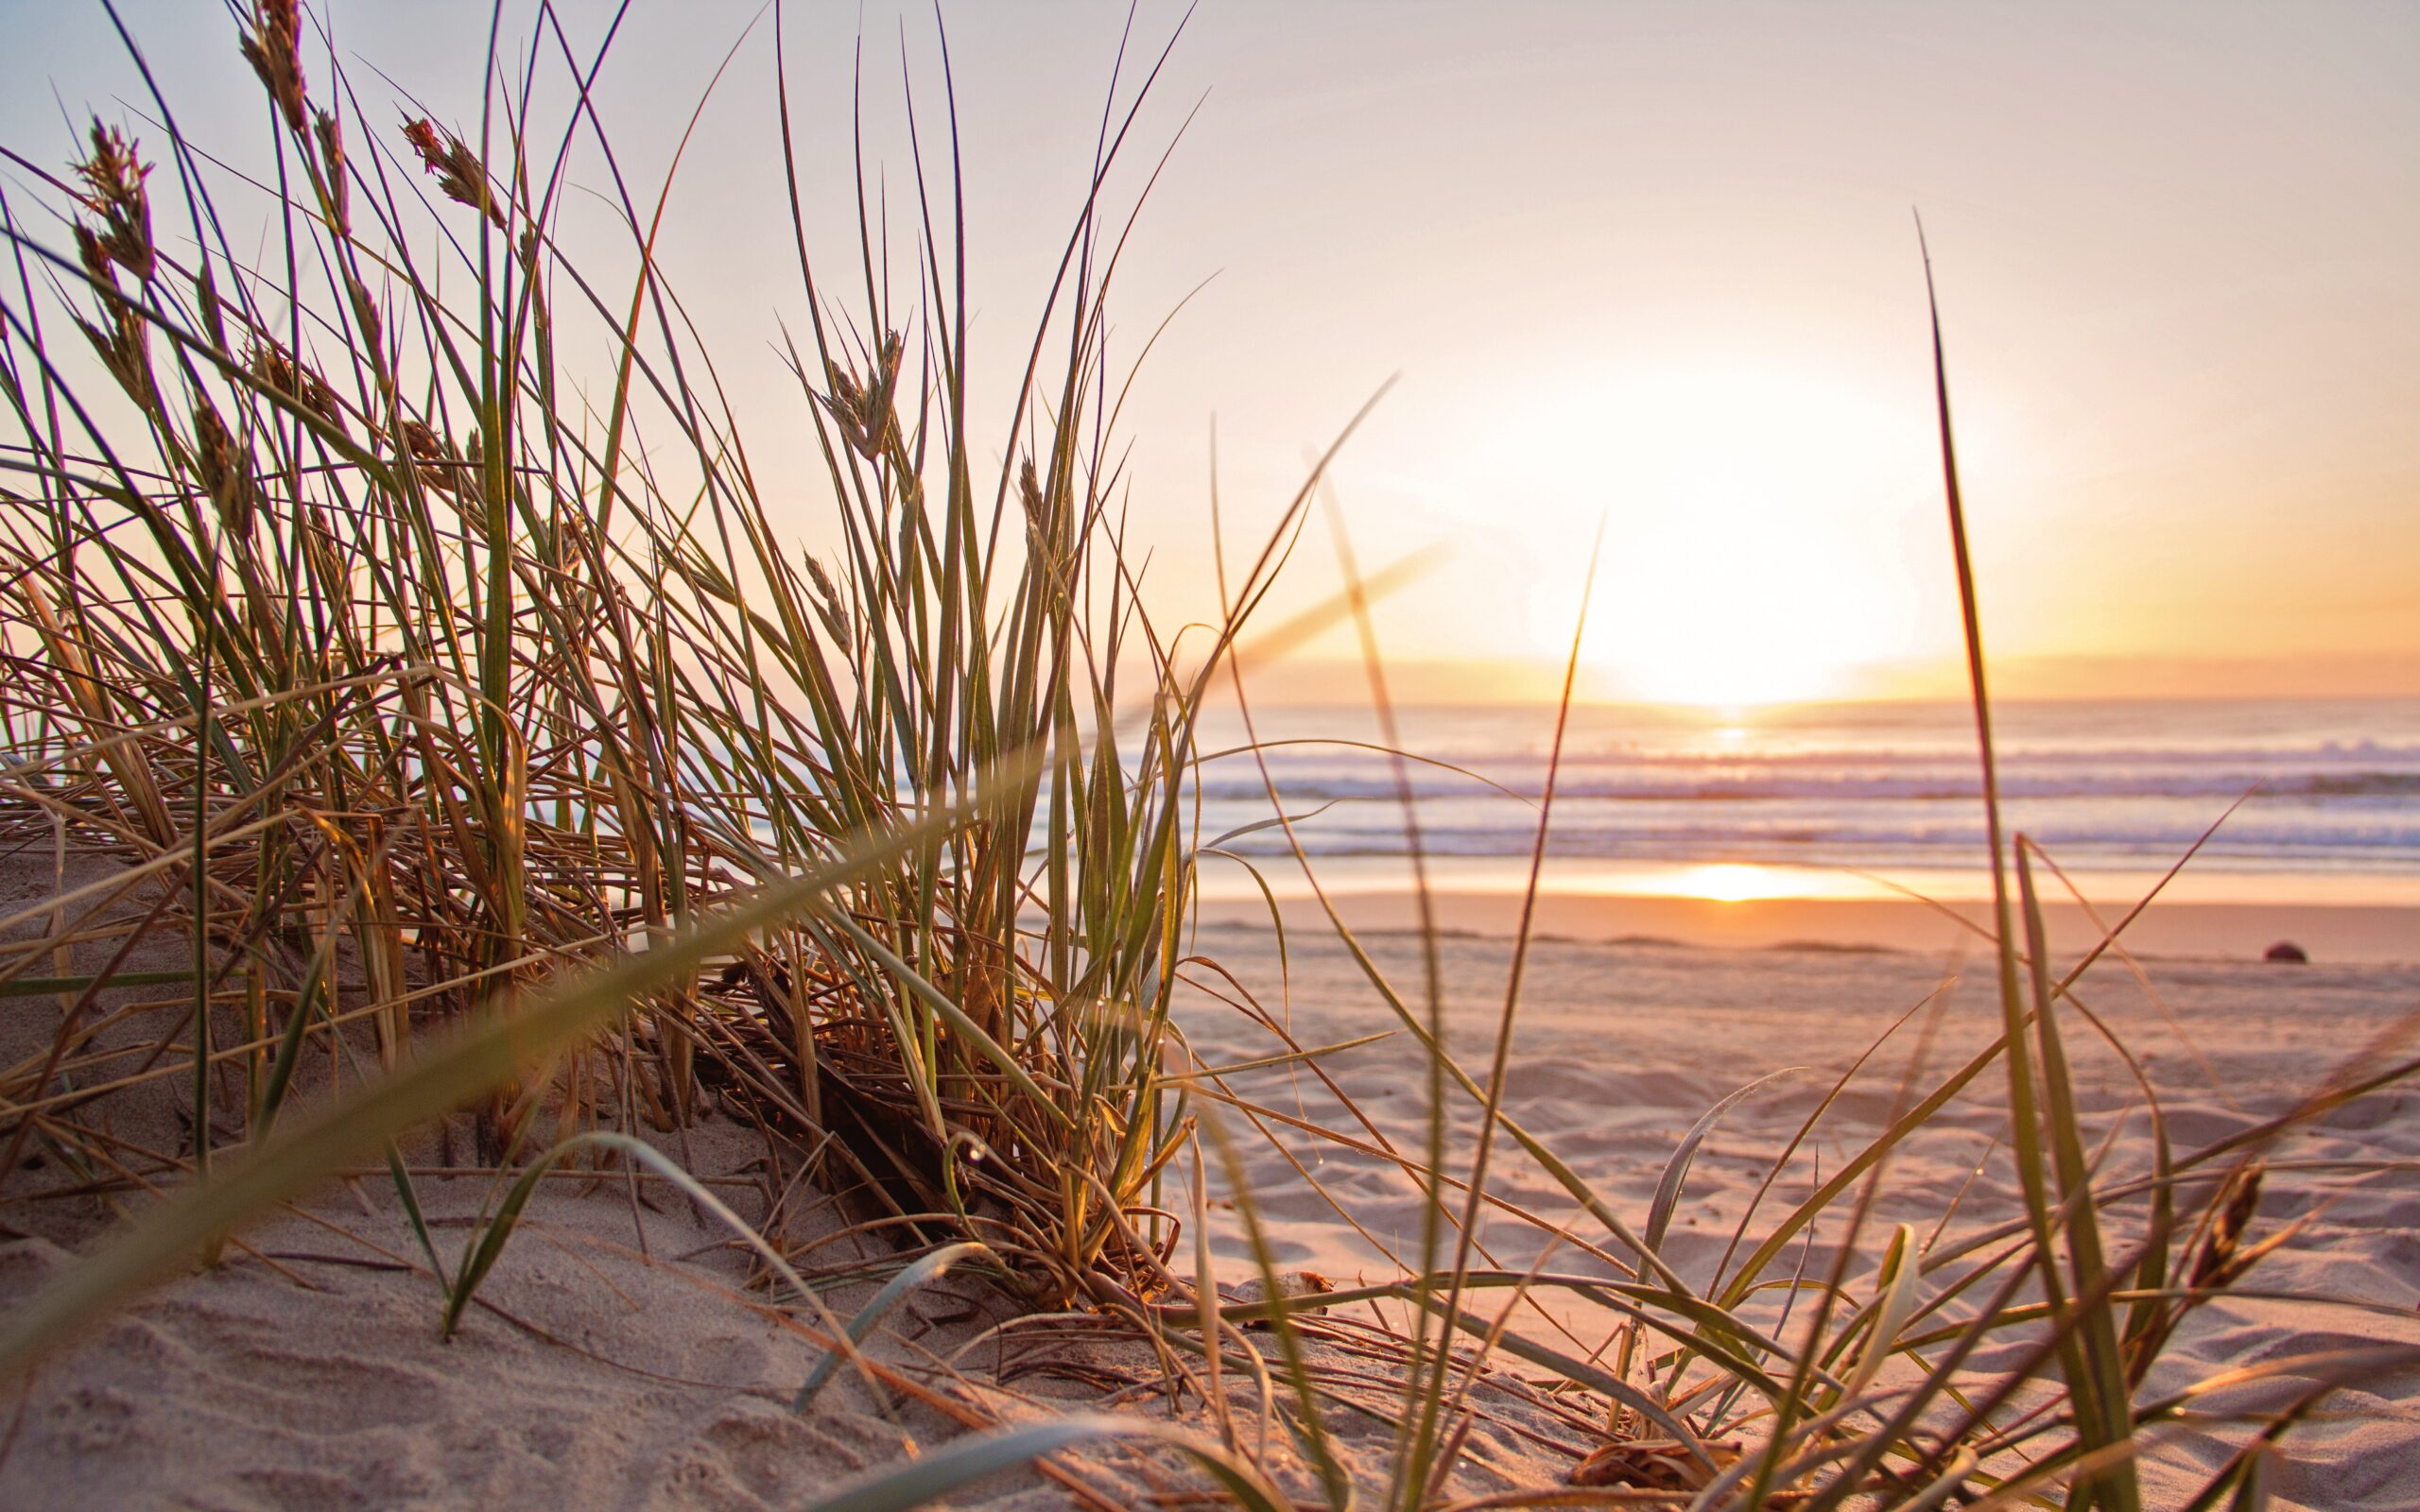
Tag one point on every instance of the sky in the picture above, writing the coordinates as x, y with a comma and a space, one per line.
1648, 265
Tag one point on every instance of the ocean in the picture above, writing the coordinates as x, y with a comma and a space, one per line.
1842, 799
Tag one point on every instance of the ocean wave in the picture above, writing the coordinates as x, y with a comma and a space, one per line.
2282, 754
2321, 786
1922, 786
2398, 854
1849, 829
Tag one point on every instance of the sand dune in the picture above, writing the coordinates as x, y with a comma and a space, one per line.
305, 1372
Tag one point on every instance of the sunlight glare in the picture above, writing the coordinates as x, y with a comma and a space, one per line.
1731, 882
1757, 521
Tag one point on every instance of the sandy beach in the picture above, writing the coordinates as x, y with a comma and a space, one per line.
1619, 1048
2347, 934
624, 1355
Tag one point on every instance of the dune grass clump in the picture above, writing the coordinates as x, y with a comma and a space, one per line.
400, 613
395, 621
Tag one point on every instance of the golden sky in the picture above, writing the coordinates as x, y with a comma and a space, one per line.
1648, 262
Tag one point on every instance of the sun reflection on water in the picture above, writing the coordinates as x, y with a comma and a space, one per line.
1733, 882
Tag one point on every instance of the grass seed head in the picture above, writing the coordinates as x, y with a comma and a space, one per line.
330, 139
435, 461
459, 174
226, 470
863, 411
95, 257
275, 369
113, 179
2223, 1259
273, 45
829, 605
1030, 492
120, 344
366, 324
847, 403
334, 578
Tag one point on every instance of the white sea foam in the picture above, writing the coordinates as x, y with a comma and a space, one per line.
2325, 787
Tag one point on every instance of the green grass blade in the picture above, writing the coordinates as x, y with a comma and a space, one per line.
927, 1268
1676, 1170
2105, 1414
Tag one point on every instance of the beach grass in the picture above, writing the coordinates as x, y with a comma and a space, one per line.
420, 661
497, 752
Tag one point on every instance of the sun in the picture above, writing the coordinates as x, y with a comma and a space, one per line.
1759, 530
1735, 604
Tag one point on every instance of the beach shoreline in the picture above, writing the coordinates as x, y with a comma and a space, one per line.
2352, 934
